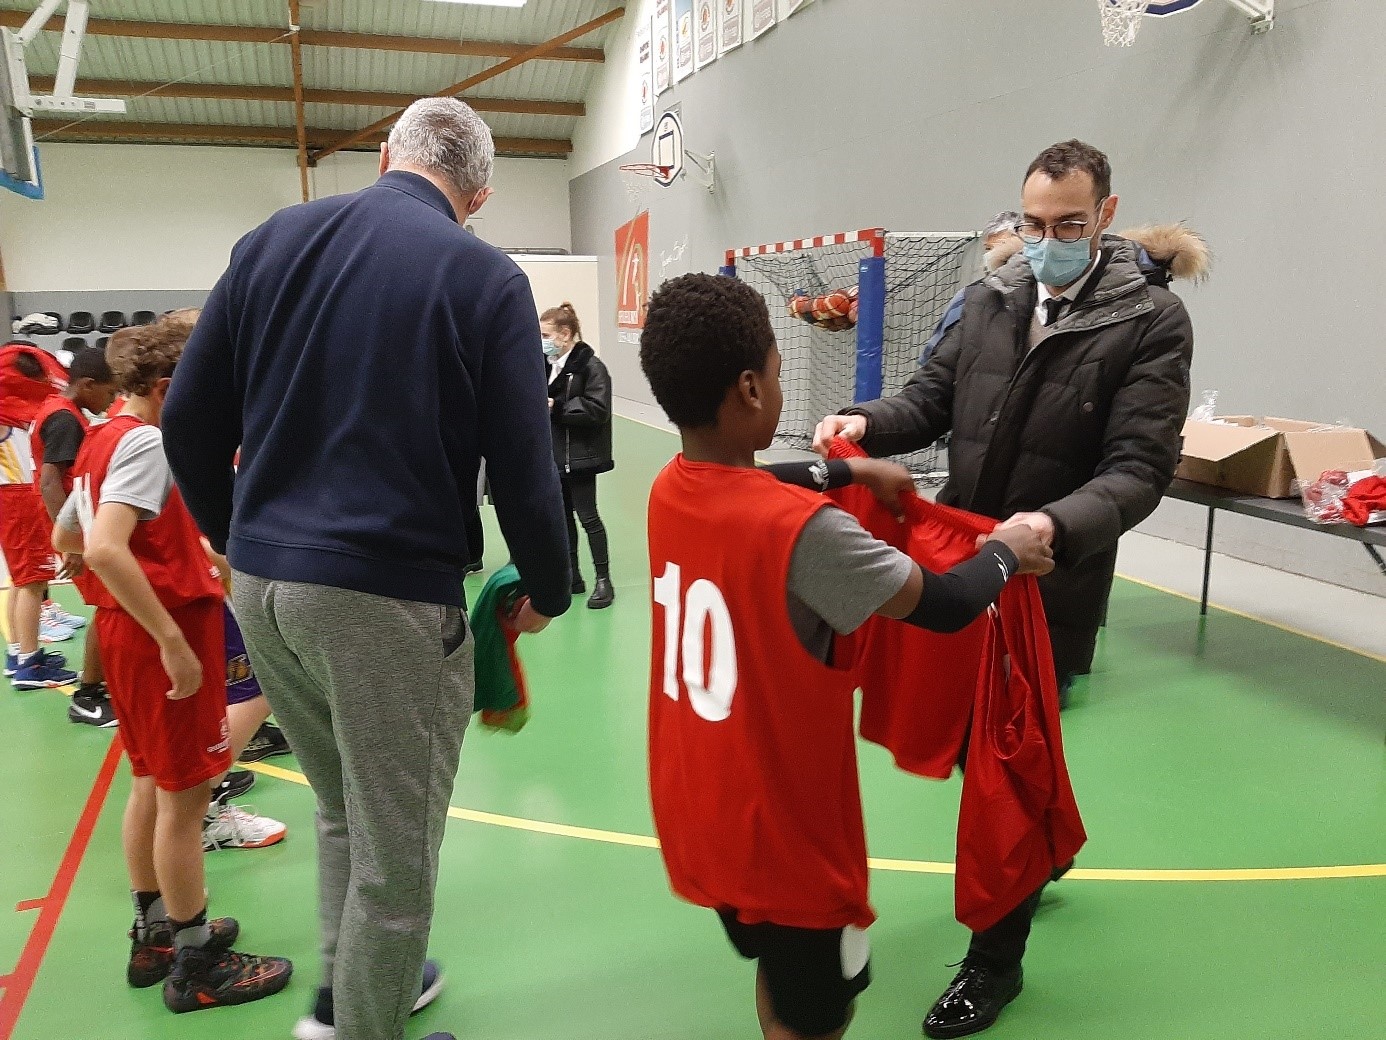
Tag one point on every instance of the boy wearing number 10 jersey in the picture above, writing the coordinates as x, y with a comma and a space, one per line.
753, 771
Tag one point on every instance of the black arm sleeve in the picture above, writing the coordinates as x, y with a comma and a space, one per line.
816, 476
950, 602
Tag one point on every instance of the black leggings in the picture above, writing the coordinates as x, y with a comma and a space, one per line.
580, 498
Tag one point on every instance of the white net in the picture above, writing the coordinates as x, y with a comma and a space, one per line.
923, 271
1121, 20
639, 181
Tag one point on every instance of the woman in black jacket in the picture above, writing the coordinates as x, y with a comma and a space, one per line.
580, 412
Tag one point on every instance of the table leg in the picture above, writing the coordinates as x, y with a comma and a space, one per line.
1207, 563
1371, 551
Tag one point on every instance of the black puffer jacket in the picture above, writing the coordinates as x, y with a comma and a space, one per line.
1086, 427
581, 413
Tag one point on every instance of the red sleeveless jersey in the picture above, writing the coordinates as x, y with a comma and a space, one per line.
55, 403
991, 686
168, 547
753, 770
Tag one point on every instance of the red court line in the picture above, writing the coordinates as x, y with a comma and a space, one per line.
19, 982
29, 904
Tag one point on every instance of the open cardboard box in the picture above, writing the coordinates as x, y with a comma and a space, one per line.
1266, 456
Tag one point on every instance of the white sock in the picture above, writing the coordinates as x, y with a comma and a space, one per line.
14, 649
25, 659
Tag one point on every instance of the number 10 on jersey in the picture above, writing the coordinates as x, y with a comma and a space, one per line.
687, 619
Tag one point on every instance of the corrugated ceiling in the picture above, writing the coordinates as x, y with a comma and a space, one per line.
198, 62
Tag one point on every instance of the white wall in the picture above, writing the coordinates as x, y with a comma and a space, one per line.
612, 124
131, 217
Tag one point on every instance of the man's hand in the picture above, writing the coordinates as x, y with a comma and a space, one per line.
1041, 523
529, 620
848, 427
183, 668
72, 565
1030, 549
887, 481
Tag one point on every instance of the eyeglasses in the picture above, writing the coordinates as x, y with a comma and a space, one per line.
1065, 230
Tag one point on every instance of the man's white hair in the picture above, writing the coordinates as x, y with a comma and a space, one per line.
445, 137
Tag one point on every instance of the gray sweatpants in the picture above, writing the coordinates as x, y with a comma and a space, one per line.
374, 695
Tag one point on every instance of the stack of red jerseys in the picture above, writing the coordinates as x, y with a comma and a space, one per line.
991, 685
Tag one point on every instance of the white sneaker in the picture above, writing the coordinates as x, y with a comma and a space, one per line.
56, 615
229, 827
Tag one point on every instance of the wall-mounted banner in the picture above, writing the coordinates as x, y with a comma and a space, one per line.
762, 17
643, 52
706, 29
683, 39
731, 21
632, 275
663, 47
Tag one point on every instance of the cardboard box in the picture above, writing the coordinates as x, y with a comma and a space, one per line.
1266, 456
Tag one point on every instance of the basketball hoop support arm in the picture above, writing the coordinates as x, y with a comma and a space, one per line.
62, 99
1261, 13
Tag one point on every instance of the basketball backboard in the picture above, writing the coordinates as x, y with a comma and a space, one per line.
666, 148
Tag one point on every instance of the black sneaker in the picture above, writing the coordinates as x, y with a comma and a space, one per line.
973, 1001
603, 595
322, 1023
237, 783
203, 978
91, 706
267, 743
151, 958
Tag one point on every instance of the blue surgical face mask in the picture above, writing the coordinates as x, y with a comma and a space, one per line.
551, 348
1059, 263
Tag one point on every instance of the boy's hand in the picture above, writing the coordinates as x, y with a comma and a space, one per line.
848, 427
1030, 549
1041, 523
183, 668
886, 480
72, 565
529, 620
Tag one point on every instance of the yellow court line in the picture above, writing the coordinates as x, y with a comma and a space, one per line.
1359, 651
907, 866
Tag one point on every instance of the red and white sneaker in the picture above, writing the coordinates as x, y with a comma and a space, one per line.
227, 826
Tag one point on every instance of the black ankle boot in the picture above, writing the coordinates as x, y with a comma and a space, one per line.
603, 595
973, 1001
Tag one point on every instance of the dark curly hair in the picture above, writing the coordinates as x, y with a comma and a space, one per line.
1059, 160
701, 332
142, 355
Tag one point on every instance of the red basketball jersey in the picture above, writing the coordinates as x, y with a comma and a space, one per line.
168, 547
992, 685
55, 403
753, 770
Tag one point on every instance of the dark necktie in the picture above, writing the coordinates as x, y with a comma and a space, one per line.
1051, 310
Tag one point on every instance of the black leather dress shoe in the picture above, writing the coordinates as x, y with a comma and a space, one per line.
603, 595
973, 1001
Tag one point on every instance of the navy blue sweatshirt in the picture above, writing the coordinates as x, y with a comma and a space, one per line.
364, 352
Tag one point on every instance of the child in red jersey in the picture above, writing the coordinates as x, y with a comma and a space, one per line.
55, 437
160, 621
27, 376
752, 747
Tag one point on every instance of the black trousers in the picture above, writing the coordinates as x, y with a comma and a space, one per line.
580, 500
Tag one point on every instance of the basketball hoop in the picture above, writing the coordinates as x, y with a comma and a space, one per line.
1121, 20
639, 178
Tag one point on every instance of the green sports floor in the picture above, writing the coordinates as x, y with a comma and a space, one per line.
1231, 775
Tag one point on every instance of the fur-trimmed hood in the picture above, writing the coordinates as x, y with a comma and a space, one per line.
1178, 249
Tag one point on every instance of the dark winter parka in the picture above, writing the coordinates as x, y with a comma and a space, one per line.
581, 413
1085, 427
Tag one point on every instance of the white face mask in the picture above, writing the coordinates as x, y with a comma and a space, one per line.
551, 348
991, 260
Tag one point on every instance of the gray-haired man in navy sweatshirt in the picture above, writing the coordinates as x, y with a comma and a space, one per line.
364, 353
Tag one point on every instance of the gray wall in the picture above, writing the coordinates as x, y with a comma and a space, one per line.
922, 115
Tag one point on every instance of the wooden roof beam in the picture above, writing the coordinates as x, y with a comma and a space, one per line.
209, 33
533, 53
311, 96
91, 130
